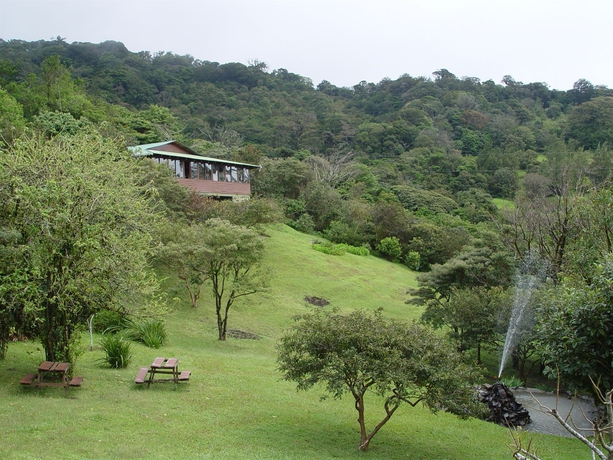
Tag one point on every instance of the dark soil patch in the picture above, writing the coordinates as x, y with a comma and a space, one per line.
317, 301
236, 334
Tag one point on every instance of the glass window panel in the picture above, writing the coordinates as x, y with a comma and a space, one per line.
215, 170
193, 170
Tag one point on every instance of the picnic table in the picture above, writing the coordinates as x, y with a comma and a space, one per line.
167, 368
56, 373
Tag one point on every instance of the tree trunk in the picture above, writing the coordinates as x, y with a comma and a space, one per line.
221, 327
194, 296
359, 405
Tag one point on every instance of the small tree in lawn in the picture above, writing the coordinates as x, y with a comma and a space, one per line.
233, 265
186, 255
363, 352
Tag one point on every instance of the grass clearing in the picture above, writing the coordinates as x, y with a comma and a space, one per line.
235, 406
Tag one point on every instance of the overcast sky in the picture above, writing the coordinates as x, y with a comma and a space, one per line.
346, 41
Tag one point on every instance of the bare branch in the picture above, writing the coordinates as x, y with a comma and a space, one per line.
334, 169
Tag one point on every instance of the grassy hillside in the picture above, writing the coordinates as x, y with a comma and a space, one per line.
235, 405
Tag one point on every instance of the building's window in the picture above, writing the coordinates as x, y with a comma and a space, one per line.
228, 173
241, 174
193, 170
246, 178
234, 173
217, 172
178, 167
204, 171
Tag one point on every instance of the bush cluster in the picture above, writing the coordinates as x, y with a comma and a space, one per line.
340, 249
152, 333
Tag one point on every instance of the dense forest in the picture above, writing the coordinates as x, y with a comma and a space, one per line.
455, 177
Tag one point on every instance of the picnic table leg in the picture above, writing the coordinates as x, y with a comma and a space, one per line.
151, 375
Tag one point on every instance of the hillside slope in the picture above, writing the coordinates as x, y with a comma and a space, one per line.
235, 406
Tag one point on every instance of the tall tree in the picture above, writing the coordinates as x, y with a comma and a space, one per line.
591, 123
472, 316
77, 217
12, 122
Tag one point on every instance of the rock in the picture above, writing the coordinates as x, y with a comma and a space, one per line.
504, 409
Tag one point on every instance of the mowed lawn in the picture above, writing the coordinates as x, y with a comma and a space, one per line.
235, 405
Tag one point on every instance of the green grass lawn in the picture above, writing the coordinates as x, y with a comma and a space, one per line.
503, 204
235, 406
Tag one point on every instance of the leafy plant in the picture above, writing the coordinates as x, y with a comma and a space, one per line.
117, 349
152, 333
107, 321
512, 381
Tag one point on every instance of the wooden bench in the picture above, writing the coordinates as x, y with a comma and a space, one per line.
184, 375
29, 379
142, 374
32, 379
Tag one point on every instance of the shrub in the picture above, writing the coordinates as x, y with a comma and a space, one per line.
390, 247
118, 354
329, 248
358, 250
304, 224
412, 260
152, 333
107, 321
340, 249
341, 232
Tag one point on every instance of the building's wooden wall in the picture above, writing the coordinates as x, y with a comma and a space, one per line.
217, 188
